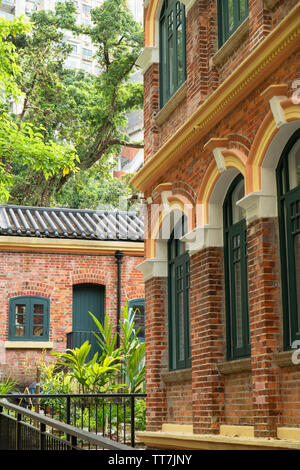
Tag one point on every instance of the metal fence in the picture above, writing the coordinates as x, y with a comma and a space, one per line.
113, 418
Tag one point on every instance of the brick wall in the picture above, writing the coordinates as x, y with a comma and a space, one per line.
53, 275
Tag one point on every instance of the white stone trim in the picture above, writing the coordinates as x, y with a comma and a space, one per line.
258, 205
217, 152
153, 267
205, 236
149, 56
277, 111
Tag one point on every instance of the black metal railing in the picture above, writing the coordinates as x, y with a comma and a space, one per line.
23, 429
111, 416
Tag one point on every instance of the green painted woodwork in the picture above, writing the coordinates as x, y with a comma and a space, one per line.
87, 298
172, 49
231, 13
236, 274
178, 295
29, 318
288, 196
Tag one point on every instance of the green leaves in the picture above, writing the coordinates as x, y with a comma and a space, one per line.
131, 352
93, 376
9, 67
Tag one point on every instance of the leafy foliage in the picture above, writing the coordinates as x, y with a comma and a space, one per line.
7, 385
23, 143
131, 351
94, 377
73, 110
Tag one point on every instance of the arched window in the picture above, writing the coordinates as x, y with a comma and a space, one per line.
288, 190
179, 283
171, 49
236, 273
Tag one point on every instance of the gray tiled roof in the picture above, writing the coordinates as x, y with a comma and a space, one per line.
70, 223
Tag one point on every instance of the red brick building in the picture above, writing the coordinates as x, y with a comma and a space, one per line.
56, 265
221, 181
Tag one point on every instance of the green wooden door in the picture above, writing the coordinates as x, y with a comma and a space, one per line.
87, 298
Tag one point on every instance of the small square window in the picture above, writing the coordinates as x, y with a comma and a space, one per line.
29, 318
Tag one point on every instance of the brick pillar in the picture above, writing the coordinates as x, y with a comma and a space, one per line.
151, 107
265, 332
260, 22
207, 338
156, 351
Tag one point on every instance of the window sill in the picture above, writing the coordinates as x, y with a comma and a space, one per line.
284, 359
231, 44
234, 367
176, 376
171, 105
28, 345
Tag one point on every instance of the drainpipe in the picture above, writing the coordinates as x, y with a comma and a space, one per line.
119, 256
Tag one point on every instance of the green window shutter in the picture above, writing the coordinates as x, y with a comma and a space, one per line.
231, 13
288, 197
236, 275
29, 318
172, 49
178, 296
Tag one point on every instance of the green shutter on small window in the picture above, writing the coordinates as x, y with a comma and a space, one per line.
172, 49
29, 318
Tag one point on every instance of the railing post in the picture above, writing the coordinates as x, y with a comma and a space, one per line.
18, 431
42, 436
68, 410
73, 443
132, 422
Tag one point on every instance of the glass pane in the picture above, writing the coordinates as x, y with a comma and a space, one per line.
163, 61
297, 269
243, 9
181, 325
238, 304
20, 318
230, 16
294, 165
38, 320
38, 309
238, 193
38, 331
171, 59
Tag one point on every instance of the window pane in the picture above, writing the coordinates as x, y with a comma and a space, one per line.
297, 269
20, 319
230, 16
237, 212
181, 326
139, 320
171, 59
243, 9
238, 304
294, 165
38, 320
